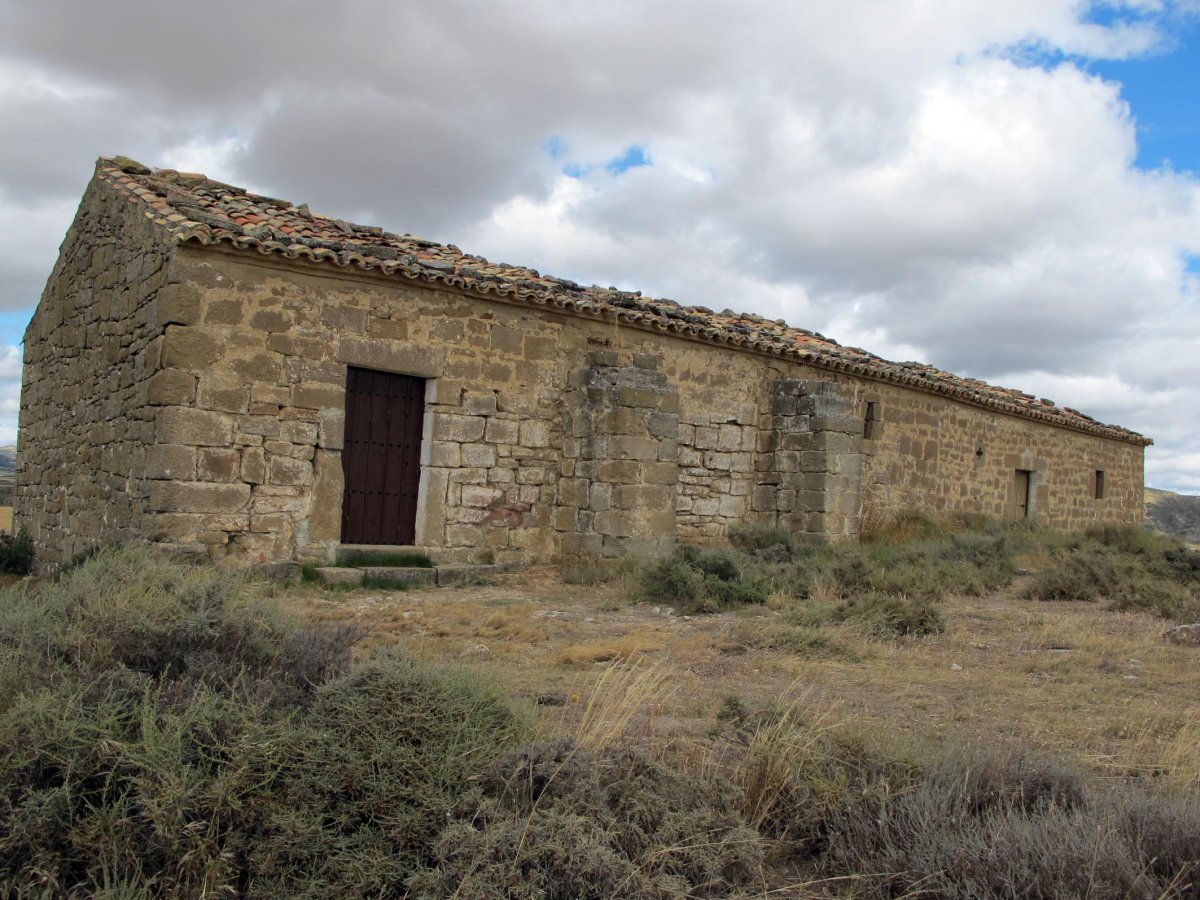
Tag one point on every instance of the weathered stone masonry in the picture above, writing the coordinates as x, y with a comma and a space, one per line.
192, 391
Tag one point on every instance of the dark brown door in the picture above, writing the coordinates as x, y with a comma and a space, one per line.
382, 457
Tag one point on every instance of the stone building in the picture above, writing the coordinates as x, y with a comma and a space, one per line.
232, 375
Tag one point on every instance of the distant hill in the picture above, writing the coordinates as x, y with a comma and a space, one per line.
8, 465
1177, 514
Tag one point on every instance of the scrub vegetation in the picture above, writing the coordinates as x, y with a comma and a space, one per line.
174, 731
893, 581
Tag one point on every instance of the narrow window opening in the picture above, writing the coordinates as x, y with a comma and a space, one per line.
1099, 484
869, 422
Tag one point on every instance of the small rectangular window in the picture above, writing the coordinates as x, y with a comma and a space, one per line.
869, 421
1099, 484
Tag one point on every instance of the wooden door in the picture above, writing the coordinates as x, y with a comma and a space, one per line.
381, 460
1021, 493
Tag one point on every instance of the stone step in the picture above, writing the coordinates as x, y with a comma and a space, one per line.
454, 556
404, 576
376, 554
401, 576
460, 574
339, 576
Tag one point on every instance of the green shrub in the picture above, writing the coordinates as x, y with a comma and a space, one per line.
729, 594
1129, 568
165, 727
851, 569
697, 580
385, 751
670, 581
998, 824
1129, 538
558, 822
16, 552
887, 614
764, 541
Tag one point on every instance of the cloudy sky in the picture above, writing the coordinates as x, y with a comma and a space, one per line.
1006, 190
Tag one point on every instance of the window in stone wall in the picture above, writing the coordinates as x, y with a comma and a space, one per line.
871, 421
1099, 484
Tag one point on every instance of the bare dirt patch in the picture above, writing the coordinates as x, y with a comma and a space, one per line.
1071, 678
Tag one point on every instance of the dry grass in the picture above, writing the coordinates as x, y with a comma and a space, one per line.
622, 692
628, 646
1072, 678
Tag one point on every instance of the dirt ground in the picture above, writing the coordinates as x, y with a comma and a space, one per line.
1072, 678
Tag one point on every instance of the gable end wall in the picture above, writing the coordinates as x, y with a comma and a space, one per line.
91, 350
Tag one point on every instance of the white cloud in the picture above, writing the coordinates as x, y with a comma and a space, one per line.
910, 176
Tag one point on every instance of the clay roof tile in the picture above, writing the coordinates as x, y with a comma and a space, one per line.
194, 208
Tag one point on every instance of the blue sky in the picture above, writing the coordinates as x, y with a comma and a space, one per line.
12, 325
1163, 91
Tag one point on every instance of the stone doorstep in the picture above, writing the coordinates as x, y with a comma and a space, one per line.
336, 576
459, 574
369, 550
452, 556
405, 575
401, 575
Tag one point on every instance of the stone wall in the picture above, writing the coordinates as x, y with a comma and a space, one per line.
810, 471
930, 453
201, 402
620, 459
90, 350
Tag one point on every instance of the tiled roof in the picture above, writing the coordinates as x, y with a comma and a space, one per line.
196, 209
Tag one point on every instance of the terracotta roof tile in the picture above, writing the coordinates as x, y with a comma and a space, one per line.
196, 209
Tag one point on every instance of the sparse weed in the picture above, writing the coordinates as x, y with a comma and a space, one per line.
354, 559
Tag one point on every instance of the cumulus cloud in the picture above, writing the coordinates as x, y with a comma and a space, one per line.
943, 181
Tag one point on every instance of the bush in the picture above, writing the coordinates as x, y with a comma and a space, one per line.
888, 614
385, 751
165, 728
697, 580
770, 543
671, 581
1128, 567
558, 822
16, 552
1002, 824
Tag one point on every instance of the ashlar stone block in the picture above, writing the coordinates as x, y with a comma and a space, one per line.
285, 470
478, 455
217, 464
171, 387
197, 497
197, 427
188, 347
501, 431
461, 429
534, 434
170, 461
